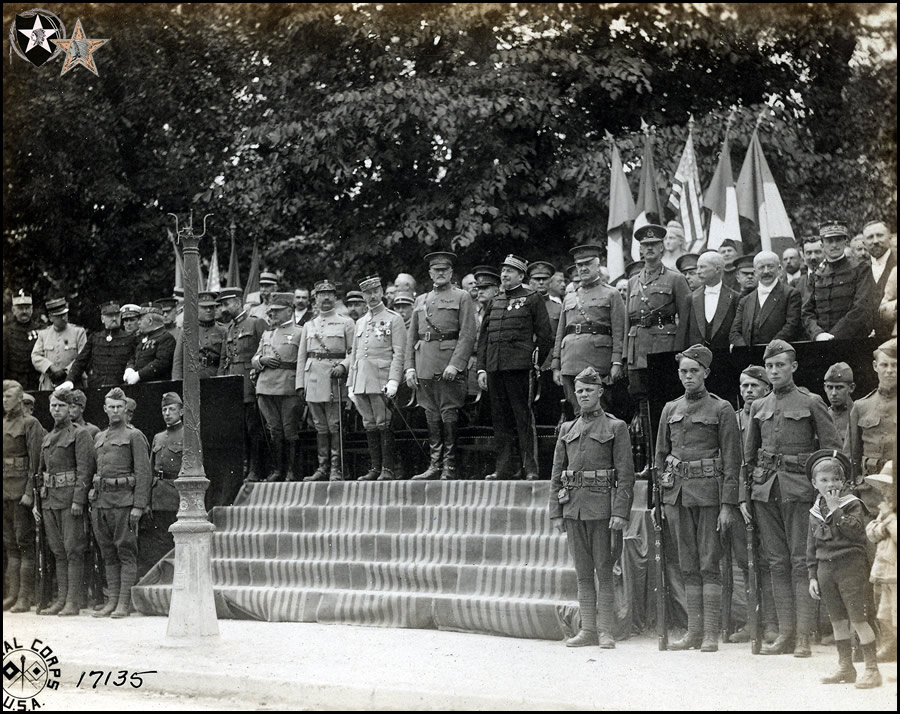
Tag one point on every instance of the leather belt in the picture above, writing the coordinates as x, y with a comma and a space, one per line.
588, 328
695, 468
429, 336
657, 320
167, 475
57, 480
577, 479
795, 463
15, 462
285, 365
327, 355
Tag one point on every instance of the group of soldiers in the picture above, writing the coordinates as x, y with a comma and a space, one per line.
81, 489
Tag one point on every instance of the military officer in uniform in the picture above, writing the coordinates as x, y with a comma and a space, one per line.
355, 304
873, 425
547, 406
131, 316
698, 448
687, 266
105, 355
168, 307
439, 344
268, 285
120, 493
241, 342
57, 346
276, 361
22, 436
212, 339
516, 323
591, 330
19, 336
154, 539
376, 366
839, 388
323, 361
786, 426
153, 352
76, 413
591, 491
66, 467
842, 302
403, 304
487, 285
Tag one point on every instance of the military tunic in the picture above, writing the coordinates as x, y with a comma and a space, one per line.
18, 342
103, 358
842, 301
153, 356
656, 315
275, 387
154, 539
212, 343
22, 436
241, 342
841, 420
376, 359
873, 433
325, 343
441, 333
92, 429
57, 350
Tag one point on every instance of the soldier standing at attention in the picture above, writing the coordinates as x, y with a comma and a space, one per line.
57, 346
276, 360
105, 356
66, 467
212, 340
19, 337
839, 387
168, 307
873, 424
241, 342
154, 539
376, 366
323, 361
591, 328
438, 347
591, 490
76, 413
120, 493
22, 436
699, 449
786, 426
514, 321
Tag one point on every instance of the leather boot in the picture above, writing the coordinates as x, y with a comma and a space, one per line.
387, 455
693, 638
322, 453
76, 583
871, 677
254, 467
374, 441
887, 651
113, 579
712, 602
13, 566
845, 672
290, 458
129, 576
276, 451
434, 453
802, 648
783, 644
337, 468
449, 471
584, 638
62, 590
26, 587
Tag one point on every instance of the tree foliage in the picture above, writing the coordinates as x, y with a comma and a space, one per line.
354, 138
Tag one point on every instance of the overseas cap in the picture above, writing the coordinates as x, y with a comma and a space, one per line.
370, 283
116, 394
833, 229
839, 372
686, 262
729, 243
171, 398
441, 258
758, 373
651, 233
541, 269
777, 347
110, 308
888, 349
28, 398
130, 405
79, 398
828, 455
589, 375
698, 353
514, 261
63, 395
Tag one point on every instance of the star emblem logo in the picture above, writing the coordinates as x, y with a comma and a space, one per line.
31, 34
79, 50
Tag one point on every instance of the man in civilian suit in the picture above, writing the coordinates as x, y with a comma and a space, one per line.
712, 304
878, 244
771, 311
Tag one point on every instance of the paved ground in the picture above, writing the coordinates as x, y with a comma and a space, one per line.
256, 665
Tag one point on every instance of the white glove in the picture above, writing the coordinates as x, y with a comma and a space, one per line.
67, 385
132, 377
390, 389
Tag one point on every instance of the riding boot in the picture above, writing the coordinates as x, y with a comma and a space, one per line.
337, 468
255, 458
374, 442
290, 457
129, 576
276, 451
693, 638
26, 587
13, 565
321, 473
76, 583
434, 453
449, 471
113, 579
62, 590
387, 455
712, 603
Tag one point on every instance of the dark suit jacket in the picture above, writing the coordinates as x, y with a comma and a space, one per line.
779, 318
715, 334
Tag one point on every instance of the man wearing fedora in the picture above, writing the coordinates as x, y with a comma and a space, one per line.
516, 324
57, 346
105, 355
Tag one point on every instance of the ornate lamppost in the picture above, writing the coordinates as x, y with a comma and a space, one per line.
192, 612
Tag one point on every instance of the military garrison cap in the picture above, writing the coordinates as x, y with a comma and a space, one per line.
130, 405
777, 347
839, 372
888, 349
370, 282
650, 233
171, 398
698, 353
28, 398
79, 398
758, 373
116, 394
324, 286
832, 455
268, 279
687, 262
110, 308
57, 306
63, 395
229, 293
354, 296
207, 299
514, 261
589, 375
833, 229
280, 300
440, 257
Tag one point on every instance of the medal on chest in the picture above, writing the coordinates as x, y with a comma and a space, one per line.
109, 338
516, 304
382, 329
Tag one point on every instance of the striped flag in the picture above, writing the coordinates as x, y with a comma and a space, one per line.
621, 212
214, 282
649, 208
253, 278
721, 200
685, 195
233, 278
179, 264
759, 201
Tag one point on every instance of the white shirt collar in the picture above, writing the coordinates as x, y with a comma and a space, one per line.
882, 261
712, 289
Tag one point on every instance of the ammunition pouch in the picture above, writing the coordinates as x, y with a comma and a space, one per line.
793, 463
699, 468
602, 479
58, 480
122, 482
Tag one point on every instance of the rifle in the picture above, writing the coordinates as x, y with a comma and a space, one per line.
727, 569
753, 595
336, 386
660, 590
562, 416
42, 552
535, 387
94, 577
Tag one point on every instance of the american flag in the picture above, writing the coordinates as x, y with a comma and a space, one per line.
685, 195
